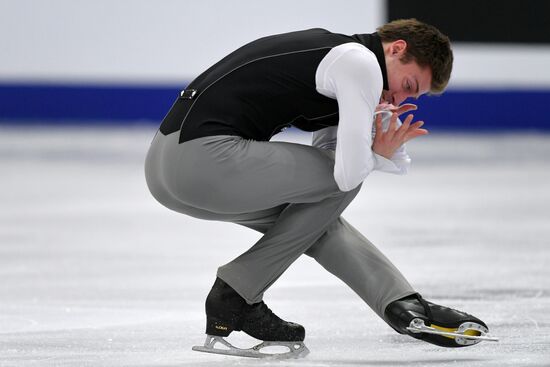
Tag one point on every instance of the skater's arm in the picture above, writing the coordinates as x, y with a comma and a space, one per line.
398, 164
351, 74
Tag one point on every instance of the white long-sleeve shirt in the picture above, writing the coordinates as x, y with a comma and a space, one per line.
350, 73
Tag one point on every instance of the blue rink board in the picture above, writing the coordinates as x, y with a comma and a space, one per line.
465, 109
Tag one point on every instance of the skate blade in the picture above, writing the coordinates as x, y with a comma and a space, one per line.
461, 335
295, 349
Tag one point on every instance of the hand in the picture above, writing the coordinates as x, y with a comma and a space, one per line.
387, 142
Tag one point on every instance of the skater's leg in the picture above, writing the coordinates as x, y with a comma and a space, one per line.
231, 175
347, 254
263, 220
296, 229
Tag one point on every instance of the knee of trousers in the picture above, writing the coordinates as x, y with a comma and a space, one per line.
338, 241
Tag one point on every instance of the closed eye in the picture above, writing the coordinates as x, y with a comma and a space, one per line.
409, 88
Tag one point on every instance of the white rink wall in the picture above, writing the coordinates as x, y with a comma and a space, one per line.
148, 40
167, 41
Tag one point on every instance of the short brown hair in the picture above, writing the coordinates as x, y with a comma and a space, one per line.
426, 45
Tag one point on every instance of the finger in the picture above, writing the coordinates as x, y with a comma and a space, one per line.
415, 134
415, 130
406, 108
379, 121
405, 126
408, 120
378, 124
393, 123
416, 125
384, 106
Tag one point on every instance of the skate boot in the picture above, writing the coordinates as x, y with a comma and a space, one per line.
227, 311
261, 323
435, 324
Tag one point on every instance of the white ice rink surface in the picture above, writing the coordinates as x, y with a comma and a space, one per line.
93, 272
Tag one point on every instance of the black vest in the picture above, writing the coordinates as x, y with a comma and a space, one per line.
263, 87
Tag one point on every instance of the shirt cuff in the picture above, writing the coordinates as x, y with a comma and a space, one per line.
398, 167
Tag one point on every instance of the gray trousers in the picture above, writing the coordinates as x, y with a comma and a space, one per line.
284, 190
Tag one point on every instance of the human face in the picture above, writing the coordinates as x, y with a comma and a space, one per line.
404, 80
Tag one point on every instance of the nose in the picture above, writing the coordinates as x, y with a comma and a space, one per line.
401, 96
398, 98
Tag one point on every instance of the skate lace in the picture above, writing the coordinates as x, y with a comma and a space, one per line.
428, 311
261, 311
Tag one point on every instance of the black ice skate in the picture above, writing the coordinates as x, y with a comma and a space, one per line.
227, 311
436, 324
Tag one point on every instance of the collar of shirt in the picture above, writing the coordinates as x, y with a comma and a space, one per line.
373, 42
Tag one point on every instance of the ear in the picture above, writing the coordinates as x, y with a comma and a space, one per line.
398, 48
